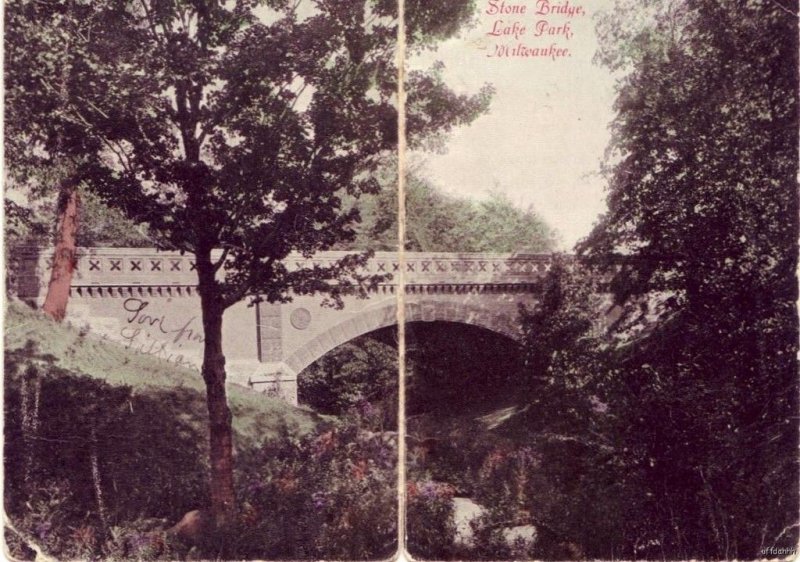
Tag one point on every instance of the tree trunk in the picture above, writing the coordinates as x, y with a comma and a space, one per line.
223, 502
94, 461
55, 303
31, 384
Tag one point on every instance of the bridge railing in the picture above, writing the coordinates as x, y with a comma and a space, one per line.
116, 267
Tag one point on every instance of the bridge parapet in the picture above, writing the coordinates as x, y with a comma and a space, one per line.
148, 267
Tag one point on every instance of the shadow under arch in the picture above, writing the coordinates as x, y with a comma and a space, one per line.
425, 310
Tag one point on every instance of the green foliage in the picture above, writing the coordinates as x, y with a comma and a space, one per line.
57, 425
263, 123
45, 148
140, 540
644, 437
562, 474
33, 194
23, 225
491, 543
224, 126
702, 170
427, 23
563, 353
102, 225
360, 372
699, 388
31, 224
438, 222
330, 495
449, 450
430, 519
704, 427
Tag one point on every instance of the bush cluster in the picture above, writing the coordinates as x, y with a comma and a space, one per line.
96, 471
85, 460
431, 523
329, 495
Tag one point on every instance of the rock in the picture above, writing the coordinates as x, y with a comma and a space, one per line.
193, 527
465, 511
520, 532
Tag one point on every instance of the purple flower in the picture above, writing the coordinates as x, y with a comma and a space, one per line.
598, 405
254, 487
42, 529
319, 500
428, 490
365, 408
139, 540
527, 456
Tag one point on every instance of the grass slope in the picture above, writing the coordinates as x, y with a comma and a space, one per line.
255, 416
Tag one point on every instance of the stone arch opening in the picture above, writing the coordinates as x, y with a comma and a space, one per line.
455, 367
501, 321
452, 364
359, 376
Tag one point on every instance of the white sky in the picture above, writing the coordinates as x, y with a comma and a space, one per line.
543, 139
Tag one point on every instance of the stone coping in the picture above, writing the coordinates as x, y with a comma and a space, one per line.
120, 267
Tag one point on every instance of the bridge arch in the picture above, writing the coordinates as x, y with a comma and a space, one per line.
502, 322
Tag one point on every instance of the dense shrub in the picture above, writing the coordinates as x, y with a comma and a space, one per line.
331, 495
84, 459
430, 520
100, 471
363, 371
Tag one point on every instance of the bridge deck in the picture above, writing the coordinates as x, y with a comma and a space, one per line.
146, 267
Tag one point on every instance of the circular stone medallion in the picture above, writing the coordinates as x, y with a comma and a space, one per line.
300, 318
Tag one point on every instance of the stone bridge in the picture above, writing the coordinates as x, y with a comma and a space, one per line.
147, 300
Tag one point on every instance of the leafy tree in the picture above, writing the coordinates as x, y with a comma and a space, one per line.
501, 226
360, 372
23, 224
438, 222
563, 352
29, 223
571, 495
700, 203
102, 225
233, 130
80, 459
700, 241
43, 147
